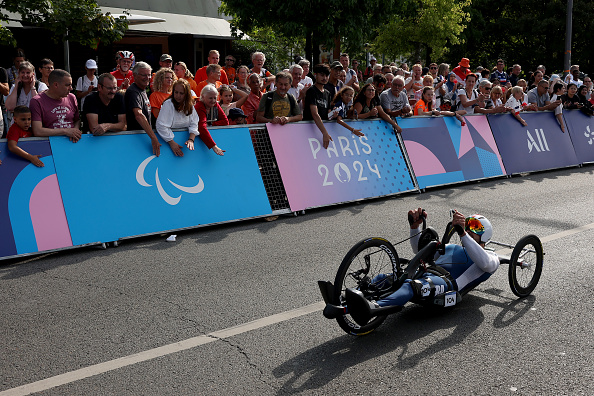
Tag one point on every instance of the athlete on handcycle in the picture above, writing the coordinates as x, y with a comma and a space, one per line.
457, 269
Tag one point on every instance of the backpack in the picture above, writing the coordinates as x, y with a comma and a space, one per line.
269, 96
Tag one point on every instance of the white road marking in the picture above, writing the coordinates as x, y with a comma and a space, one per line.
193, 342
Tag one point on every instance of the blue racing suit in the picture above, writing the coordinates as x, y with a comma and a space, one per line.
468, 266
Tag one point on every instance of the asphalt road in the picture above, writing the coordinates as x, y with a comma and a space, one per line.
235, 309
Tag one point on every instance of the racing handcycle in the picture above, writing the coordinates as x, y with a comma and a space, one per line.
365, 266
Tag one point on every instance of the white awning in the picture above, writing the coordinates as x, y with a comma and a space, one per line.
175, 23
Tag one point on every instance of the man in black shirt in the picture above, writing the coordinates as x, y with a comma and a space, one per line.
104, 109
138, 107
317, 102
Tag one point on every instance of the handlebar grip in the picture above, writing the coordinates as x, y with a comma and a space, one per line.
459, 229
411, 220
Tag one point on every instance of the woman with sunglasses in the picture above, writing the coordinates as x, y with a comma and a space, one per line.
459, 269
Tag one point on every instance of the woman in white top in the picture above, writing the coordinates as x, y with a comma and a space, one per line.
177, 112
468, 96
24, 88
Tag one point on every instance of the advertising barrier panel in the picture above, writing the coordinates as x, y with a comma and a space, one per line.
33, 218
442, 151
539, 146
114, 187
581, 131
351, 168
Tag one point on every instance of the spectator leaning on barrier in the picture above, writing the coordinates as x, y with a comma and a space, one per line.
124, 75
25, 87
213, 59
367, 105
515, 104
138, 106
487, 106
250, 107
104, 109
317, 102
209, 113
87, 83
558, 91
55, 111
21, 129
279, 106
539, 97
468, 96
177, 112
395, 101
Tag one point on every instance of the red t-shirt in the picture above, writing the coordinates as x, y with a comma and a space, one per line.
120, 77
54, 113
15, 132
201, 76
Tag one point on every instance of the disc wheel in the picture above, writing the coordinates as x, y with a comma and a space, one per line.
525, 266
364, 268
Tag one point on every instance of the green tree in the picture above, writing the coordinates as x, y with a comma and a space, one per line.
424, 27
79, 21
328, 22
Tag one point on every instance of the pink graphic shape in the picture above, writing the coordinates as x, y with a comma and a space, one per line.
423, 161
466, 143
481, 124
48, 217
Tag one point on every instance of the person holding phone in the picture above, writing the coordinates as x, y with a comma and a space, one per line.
25, 87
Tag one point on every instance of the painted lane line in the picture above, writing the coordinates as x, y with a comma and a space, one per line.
190, 343
164, 350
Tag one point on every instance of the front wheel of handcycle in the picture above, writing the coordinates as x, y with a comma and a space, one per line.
368, 267
525, 265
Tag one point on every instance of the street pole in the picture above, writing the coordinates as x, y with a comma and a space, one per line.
568, 28
66, 53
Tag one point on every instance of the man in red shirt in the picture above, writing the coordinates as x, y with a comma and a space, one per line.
123, 74
229, 69
250, 107
213, 58
462, 70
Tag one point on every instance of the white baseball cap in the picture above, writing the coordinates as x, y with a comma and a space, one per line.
91, 64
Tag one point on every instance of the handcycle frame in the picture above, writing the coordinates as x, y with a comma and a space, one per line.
356, 271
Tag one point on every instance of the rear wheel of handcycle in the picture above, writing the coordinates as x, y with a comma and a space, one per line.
361, 269
525, 265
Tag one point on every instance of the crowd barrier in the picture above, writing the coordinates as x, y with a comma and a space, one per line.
107, 188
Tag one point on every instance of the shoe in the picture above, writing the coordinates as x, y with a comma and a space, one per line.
358, 306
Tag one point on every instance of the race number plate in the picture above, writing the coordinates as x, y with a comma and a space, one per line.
450, 299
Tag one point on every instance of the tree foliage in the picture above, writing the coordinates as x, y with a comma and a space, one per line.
424, 27
79, 21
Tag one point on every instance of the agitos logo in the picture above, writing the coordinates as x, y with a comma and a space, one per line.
166, 197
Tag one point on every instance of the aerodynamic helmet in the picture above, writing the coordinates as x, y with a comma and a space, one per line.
479, 225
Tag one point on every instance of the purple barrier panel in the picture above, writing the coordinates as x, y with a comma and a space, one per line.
539, 146
351, 168
442, 151
32, 217
581, 130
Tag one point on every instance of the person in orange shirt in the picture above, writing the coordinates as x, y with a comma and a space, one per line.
182, 71
425, 106
164, 80
213, 59
213, 74
229, 69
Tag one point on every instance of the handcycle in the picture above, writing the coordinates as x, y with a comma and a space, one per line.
364, 267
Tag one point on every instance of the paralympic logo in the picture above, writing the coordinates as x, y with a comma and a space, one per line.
166, 197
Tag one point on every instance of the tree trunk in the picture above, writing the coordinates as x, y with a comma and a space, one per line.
428, 55
336, 52
308, 47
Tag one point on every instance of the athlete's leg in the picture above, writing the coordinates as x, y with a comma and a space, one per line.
418, 288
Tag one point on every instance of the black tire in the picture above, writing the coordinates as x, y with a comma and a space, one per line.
525, 268
355, 273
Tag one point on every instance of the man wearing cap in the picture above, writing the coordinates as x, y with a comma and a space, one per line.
236, 116
213, 58
87, 83
462, 70
334, 84
369, 71
165, 61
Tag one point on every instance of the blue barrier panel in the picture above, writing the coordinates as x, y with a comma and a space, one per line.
113, 187
31, 209
539, 146
581, 130
351, 168
442, 151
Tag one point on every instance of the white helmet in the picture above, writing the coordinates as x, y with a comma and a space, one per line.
479, 225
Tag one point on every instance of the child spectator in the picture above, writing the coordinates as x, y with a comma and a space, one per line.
22, 129
342, 107
237, 117
514, 104
226, 95
558, 91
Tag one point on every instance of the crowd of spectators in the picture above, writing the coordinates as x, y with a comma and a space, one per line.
132, 97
